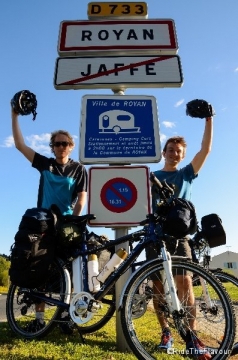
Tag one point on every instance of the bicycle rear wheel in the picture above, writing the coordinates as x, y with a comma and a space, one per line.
215, 325
20, 304
230, 283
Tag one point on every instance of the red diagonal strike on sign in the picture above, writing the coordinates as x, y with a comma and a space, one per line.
127, 203
122, 68
116, 192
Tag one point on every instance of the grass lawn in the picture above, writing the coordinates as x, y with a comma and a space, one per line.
101, 345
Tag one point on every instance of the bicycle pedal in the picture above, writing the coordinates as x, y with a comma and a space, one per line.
96, 306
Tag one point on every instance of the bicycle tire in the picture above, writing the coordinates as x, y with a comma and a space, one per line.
230, 282
140, 333
20, 304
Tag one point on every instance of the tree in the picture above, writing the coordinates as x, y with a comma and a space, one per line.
4, 267
5, 256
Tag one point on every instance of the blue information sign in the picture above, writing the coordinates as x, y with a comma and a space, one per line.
119, 129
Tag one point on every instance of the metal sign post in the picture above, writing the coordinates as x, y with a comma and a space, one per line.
118, 48
121, 341
116, 197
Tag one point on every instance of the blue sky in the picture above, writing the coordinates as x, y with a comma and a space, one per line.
207, 36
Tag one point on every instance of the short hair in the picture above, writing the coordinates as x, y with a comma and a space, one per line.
176, 140
62, 132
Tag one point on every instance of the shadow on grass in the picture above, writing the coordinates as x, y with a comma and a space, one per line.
58, 346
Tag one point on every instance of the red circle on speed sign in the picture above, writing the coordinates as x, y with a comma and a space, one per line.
118, 195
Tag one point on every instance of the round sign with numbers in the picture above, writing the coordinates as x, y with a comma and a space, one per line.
118, 195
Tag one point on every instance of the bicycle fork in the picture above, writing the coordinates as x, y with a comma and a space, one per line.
207, 305
170, 290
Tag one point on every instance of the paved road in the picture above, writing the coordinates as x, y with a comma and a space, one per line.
3, 307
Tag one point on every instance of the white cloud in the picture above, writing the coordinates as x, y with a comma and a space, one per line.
236, 70
40, 143
38, 138
168, 124
43, 138
178, 103
8, 142
163, 138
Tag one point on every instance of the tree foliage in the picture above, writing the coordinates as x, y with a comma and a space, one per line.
4, 267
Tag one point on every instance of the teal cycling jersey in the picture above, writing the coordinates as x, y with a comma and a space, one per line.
182, 180
59, 183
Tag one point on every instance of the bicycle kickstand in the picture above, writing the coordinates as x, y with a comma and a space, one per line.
81, 336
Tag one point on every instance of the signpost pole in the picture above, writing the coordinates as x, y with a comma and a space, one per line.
120, 135
120, 339
119, 232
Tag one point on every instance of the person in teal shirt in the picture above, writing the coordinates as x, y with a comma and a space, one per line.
63, 182
182, 179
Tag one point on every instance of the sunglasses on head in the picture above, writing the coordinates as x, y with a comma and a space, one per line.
63, 143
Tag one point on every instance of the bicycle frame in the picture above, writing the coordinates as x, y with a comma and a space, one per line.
168, 283
67, 289
80, 272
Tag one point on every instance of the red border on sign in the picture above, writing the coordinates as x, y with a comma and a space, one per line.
117, 222
173, 43
109, 186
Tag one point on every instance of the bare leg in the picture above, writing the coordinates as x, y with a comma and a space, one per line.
40, 307
158, 301
186, 296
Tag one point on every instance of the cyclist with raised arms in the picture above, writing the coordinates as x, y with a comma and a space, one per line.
63, 182
174, 152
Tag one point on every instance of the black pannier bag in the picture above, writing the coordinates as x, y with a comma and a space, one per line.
212, 230
33, 250
180, 219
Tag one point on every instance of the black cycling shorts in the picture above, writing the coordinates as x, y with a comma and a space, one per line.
179, 247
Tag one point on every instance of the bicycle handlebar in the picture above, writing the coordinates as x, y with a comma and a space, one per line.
155, 181
198, 241
78, 219
164, 190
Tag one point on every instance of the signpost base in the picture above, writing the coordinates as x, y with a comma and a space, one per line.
120, 339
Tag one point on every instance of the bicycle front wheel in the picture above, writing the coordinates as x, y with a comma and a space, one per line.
230, 283
214, 321
20, 305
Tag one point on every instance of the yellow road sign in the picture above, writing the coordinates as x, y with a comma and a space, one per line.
117, 9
